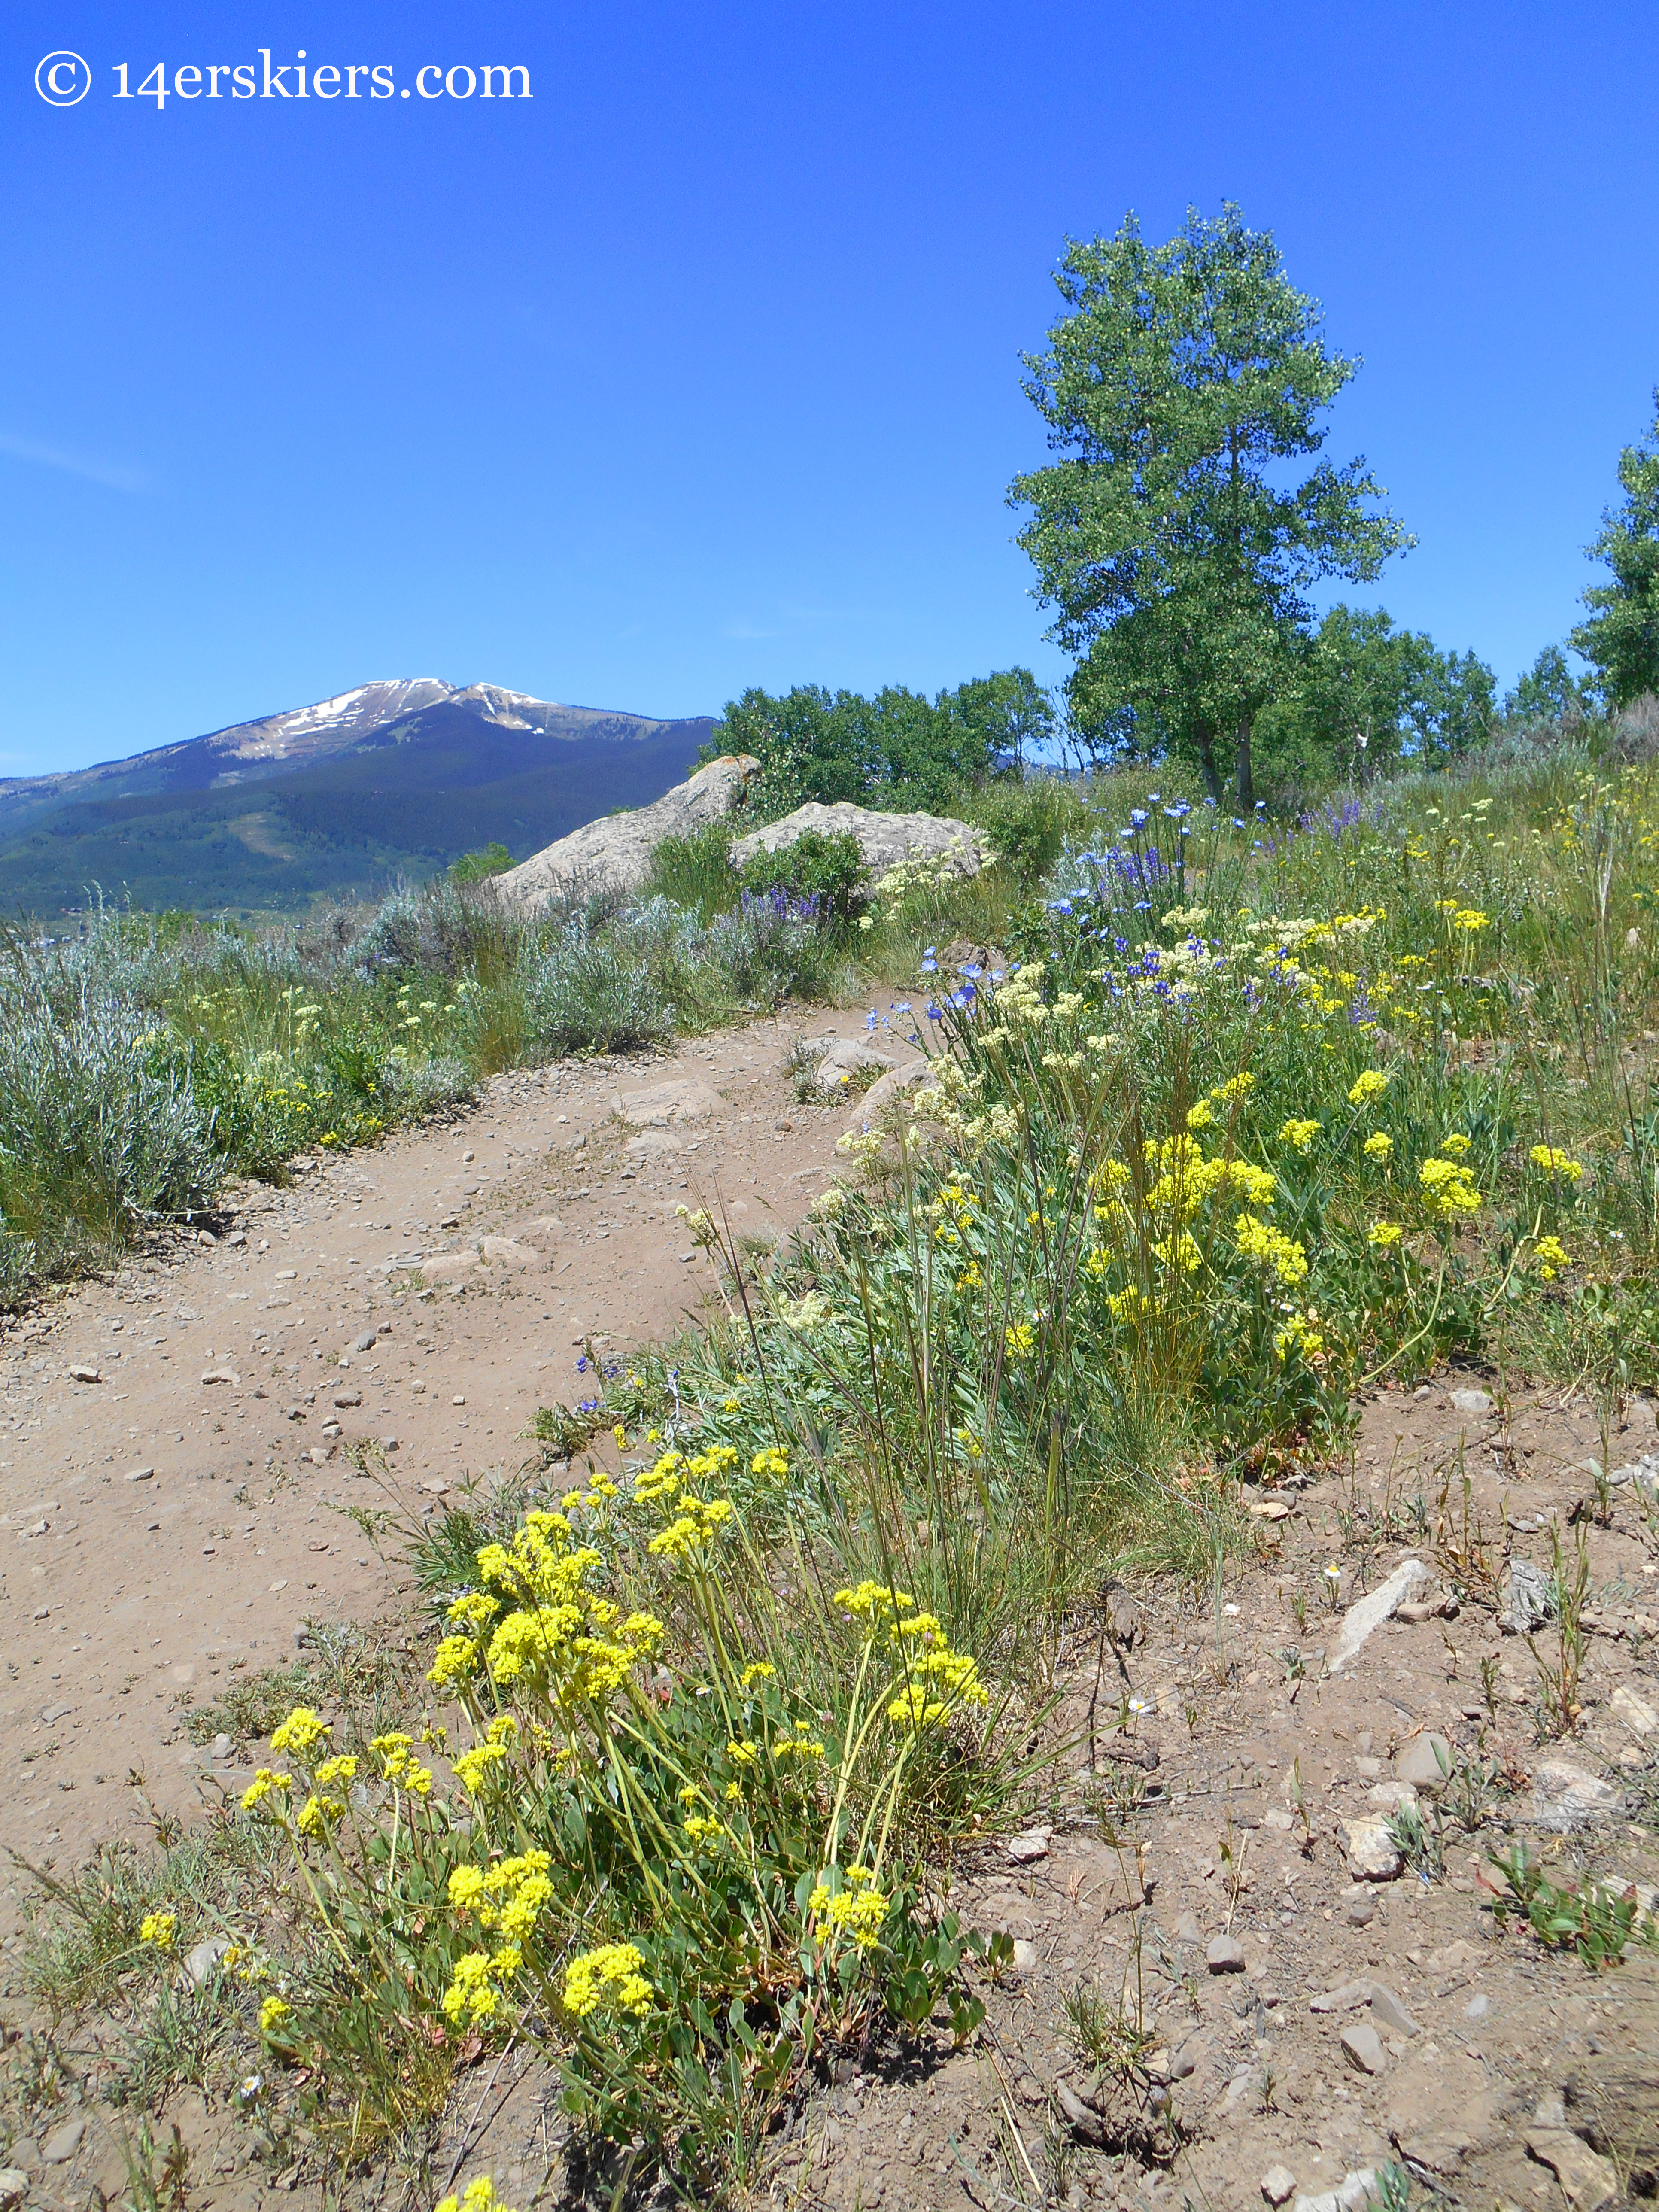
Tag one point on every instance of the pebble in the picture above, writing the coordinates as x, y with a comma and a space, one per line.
1372, 1853
1564, 1798
1473, 1403
199, 1964
1426, 1762
1364, 2048
1225, 1954
1636, 1713
1277, 2183
61, 2145
14, 2187
85, 1375
1478, 2007
139, 1475
1361, 1912
368, 1340
1025, 1850
1587, 2181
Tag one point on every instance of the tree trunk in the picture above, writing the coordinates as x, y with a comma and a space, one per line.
1242, 747
1204, 738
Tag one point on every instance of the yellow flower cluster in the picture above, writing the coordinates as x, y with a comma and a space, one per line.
301, 1732
1556, 1161
931, 1679
1550, 1256
1259, 1240
1383, 1234
264, 1783
505, 1897
472, 1997
612, 1974
1378, 1146
472, 1767
857, 1909
159, 1929
554, 1632
399, 1767
479, 2195
1300, 1133
1369, 1086
1449, 1188
698, 1520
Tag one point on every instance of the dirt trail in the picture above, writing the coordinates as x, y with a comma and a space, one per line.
1481, 2059
219, 1366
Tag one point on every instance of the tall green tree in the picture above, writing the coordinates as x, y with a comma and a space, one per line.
1548, 692
1366, 695
1177, 385
897, 747
1620, 641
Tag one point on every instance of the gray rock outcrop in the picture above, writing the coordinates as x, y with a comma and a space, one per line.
613, 853
884, 840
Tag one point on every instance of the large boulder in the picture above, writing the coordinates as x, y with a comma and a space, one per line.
613, 853
884, 840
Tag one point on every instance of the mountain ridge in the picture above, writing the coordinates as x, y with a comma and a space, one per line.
391, 778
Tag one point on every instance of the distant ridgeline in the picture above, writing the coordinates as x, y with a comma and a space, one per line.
396, 777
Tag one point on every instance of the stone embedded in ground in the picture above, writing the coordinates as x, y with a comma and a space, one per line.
1362, 2047
884, 840
1084, 2121
1587, 2181
1362, 1619
1388, 1796
1634, 1711
664, 1105
1277, 2183
1025, 1850
1426, 1761
1373, 1854
85, 1375
367, 1341
615, 852
1348, 1998
1352, 2194
61, 2145
1564, 1798
1387, 2008
845, 1058
199, 1964
1225, 1954
14, 2187
139, 1475
882, 1095
1026, 1955
1528, 1599
1478, 2007
1473, 1402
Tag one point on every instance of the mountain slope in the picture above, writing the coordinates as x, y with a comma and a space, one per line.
394, 778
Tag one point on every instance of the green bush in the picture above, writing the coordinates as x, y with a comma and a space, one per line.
830, 872
695, 871
1029, 825
493, 860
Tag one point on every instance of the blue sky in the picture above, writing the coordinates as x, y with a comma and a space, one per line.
700, 368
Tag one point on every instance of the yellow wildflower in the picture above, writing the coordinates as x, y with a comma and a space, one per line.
159, 1928
611, 1974
1555, 1162
301, 1732
1299, 1134
1372, 1084
1383, 1234
1378, 1146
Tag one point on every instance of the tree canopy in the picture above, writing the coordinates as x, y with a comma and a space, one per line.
1180, 378
1620, 641
1363, 694
897, 747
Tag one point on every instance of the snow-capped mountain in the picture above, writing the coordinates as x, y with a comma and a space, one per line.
392, 778
300, 737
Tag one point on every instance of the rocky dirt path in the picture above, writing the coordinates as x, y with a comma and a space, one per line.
173, 1442
1212, 1864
